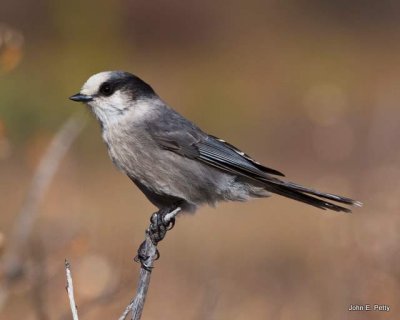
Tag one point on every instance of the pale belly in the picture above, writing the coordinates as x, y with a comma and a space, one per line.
161, 173
166, 173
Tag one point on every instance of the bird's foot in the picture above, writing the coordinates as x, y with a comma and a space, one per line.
160, 223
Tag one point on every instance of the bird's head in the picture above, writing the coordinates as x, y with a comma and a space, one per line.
111, 94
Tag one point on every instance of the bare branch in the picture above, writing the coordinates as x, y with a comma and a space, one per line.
149, 250
70, 291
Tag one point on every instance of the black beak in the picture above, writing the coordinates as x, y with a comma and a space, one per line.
79, 97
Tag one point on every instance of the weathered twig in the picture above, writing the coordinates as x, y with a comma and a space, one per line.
149, 250
70, 290
12, 261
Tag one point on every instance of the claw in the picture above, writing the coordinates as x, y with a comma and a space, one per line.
171, 224
142, 260
147, 268
158, 255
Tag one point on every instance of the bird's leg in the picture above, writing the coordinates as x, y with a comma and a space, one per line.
160, 222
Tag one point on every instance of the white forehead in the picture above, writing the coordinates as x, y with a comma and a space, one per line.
92, 85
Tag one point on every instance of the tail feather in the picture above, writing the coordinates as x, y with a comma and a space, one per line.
309, 196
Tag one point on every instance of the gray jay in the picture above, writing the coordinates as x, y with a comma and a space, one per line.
172, 161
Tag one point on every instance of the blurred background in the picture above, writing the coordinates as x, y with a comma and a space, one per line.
308, 87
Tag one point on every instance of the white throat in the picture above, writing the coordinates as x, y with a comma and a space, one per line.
118, 107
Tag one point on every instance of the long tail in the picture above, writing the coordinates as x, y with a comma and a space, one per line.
309, 196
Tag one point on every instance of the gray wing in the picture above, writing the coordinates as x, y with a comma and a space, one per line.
178, 135
212, 151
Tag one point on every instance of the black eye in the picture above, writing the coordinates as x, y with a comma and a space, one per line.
106, 89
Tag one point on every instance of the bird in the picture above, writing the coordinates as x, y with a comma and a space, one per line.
175, 163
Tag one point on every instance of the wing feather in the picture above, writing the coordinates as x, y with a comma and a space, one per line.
192, 143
